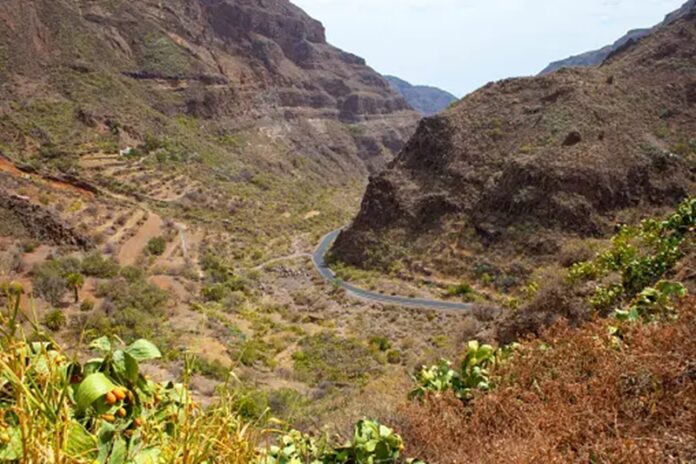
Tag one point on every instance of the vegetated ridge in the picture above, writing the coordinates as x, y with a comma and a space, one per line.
425, 99
596, 57
510, 174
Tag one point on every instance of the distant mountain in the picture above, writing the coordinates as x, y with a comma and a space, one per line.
422, 98
596, 57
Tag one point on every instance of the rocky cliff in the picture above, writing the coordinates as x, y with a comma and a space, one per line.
521, 165
596, 57
425, 99
129, 67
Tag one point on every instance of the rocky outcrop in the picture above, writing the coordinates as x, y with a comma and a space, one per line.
422, 98
41, 224
523, 164
596, 57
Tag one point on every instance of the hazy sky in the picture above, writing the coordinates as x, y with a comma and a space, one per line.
459, 45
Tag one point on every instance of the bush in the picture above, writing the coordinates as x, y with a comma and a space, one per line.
87, 305
327, 358
156, 246
462, 289
96, 265
54, 320
130, 309
394, 357
48, 282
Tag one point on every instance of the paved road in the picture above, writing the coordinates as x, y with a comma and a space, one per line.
329, 276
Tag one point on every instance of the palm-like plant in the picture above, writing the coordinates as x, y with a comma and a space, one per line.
75, 282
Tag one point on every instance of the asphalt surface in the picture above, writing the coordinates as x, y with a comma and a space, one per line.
329, 276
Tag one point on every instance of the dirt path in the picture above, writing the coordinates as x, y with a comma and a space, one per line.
134, 246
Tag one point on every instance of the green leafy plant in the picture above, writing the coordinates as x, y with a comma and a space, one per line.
653, 302
371, 443
104, 410
639, 257
473, 373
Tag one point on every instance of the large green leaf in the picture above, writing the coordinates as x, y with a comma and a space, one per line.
143, 350
119, 452
80, 443
126, 365
101, 344
93, 387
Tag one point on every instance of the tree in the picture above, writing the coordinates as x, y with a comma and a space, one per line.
49, 283
75, 282
156, 246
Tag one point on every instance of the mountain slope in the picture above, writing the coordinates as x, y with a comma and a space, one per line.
424, 99
596, 57
236, 64
521, 166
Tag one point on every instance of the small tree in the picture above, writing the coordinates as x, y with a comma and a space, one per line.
157, 245
49, 283
75, 282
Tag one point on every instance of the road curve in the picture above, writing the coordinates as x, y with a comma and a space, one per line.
318, 258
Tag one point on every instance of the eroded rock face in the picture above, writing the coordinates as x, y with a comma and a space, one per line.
41, 224
525, 161
241, 63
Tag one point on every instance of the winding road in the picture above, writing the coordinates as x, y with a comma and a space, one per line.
318, 258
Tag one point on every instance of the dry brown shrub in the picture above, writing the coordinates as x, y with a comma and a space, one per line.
583, 400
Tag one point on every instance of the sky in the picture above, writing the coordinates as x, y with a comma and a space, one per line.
460, 45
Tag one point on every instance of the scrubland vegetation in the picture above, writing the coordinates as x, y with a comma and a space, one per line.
618, 389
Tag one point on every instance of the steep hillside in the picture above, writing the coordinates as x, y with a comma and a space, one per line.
97, 72
596, 57
520, 168
236, 110
424, 99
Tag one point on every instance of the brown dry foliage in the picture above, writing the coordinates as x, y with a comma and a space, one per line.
580, 401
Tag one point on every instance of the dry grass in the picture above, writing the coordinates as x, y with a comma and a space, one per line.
582, 399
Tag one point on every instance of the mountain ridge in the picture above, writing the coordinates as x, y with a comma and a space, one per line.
596, 57
427, 100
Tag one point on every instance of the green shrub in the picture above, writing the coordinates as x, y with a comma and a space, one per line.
54, 320
130, 309
96, 265
327, 357
371, 443
653, 302
473, 373
48, 282
394, 356
214, 369
640, 256
87, 305
462, 289
156, 246
380, 343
